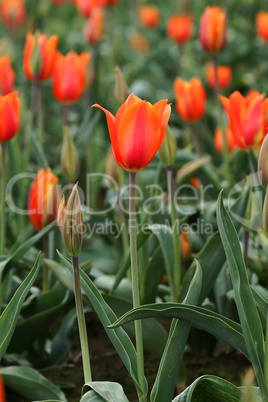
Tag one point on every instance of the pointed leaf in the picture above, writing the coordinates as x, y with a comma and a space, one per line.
10, 315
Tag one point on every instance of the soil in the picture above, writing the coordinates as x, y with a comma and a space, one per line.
107, 366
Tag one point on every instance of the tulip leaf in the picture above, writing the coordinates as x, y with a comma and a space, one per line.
210, 261
245, 303
46, 308
167, 374
30, 384
217, 325
107, 391
10, 315
118, 337
210, 388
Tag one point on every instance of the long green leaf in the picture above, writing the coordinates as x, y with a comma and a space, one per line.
30, 384
210, 388
10, 315
245, 303
210, 261
118, 337
221, 327
167, 374
108, 391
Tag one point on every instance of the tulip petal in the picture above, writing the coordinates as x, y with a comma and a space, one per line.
138, 135
253, 121
112, 132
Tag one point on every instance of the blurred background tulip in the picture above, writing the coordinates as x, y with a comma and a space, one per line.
41, 60
224, 74
247, 118
180, 28
218, 140
43, 199
7, 75
69, 76
262, 25
12, 13
190, 99
149, 16
212, 31
94, 28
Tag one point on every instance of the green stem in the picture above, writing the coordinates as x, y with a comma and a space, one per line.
122, 223
66, 110
3, 198
135, 284
81, 321
176, 282
40, 112
222, 127
45, 283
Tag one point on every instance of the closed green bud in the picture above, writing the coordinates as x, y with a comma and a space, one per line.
263, 163
36, 57
121, 88
71, 223
167, 151
69, 157
113, 169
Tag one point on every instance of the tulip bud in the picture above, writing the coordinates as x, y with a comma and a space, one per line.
69, 157
263, 163
61, 211
36, 58
113, 169
71, 223
167, 151
121, 88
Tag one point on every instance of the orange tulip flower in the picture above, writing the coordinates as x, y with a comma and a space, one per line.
47, 49
247, 118
69, 76
185, 245
180, 28
7, 75
190, 99
262, 25
213, 27
9, 115
218, 140
2, 391
85, 7
149, 16
44, 199
137, 131
12, 13
93, 31
224, 74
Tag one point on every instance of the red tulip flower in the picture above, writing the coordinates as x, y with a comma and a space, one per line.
69, 77
190, 99
137, 131
213, 27
93, 31
85, 7
180, 28
47, 49
149, 16
247, 118
12, 13
218, 140
44, 199
262, 25
224, 74
9, 115
7, 75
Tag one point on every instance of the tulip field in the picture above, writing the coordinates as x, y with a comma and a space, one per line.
133, 201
